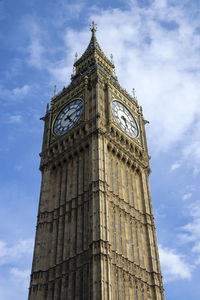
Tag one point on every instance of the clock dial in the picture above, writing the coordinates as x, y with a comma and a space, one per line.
124, 118
68, 117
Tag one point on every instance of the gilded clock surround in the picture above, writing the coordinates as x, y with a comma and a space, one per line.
59, 112
95, 235
132, 112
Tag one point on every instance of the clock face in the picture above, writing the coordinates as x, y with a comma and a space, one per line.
68, 117
125, 119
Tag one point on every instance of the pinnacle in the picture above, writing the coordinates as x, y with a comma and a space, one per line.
92, 47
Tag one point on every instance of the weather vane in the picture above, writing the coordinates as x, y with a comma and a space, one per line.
93, 27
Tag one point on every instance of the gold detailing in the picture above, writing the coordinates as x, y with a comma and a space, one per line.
57, 114
86, 80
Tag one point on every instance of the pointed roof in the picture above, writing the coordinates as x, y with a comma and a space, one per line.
93, 45
92, 49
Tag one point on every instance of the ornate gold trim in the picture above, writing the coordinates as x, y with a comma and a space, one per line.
118, 126
62, 107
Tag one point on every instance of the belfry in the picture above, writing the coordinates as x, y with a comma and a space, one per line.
95, 236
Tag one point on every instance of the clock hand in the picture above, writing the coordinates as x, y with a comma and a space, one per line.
69, 116
123, 118
132, 125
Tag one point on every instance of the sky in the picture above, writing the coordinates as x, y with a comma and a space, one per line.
156, 50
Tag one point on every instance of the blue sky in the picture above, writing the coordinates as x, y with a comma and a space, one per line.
156, 49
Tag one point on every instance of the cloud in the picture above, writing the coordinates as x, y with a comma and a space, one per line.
15, 68
19, 274
14, 283
36, 48
9, 254
21, 91
191, 151
67, 11
15, 119
174, 265
190, 233
14, 274
156, 50
175, 166
14, 94
186, 196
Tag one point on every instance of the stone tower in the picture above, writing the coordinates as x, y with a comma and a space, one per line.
95, 237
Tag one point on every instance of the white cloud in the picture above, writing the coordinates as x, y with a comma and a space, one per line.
174, 265
21, 91
20, 274
196, 248
14, 94
190, 233
14, 283
186, 196
36, 48
36, 53
14, 280
15, 119
67, 11
191, 151
175, 166
9, 254
155, 51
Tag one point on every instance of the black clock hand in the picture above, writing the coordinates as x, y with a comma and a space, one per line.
123, 118
69, 116
132, 125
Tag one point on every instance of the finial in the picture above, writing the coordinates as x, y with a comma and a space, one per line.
75, 57
93, 27
134, 95
54, 90
112, 61
75, 60
111, 58
47, 109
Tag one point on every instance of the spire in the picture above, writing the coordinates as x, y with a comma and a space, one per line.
94, 54
93, 45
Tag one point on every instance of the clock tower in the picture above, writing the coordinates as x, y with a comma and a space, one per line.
95, 235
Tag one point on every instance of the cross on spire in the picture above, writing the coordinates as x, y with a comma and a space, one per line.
93, 27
